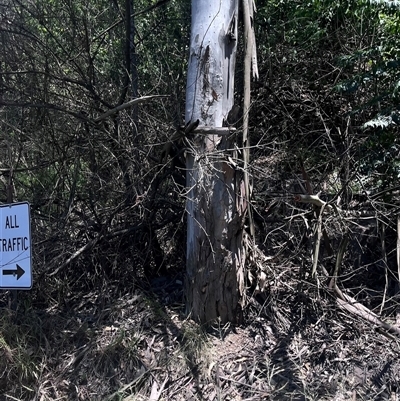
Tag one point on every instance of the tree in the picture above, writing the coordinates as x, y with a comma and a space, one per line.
216, 198
66, 77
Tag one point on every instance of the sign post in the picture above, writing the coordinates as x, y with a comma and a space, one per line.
15, 247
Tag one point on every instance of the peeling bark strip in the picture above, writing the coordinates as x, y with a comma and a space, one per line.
250, 64
215, 255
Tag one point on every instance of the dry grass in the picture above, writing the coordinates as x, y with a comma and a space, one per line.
293, 346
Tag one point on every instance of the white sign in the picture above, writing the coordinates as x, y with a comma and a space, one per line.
15, 247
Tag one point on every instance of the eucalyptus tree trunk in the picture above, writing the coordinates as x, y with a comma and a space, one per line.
215, 199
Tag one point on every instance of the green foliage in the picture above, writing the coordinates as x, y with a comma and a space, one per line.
379, 157
388, 4
304, 23
374, 70
163, 62
332, 67
370, 82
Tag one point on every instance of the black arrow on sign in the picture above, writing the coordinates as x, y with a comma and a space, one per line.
19, 271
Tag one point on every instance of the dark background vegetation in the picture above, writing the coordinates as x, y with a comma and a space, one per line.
108, 203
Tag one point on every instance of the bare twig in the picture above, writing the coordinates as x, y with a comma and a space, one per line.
120, 21
339, 259
318, 235
155, 391
126, 105
384, 260
398, 247
75, 255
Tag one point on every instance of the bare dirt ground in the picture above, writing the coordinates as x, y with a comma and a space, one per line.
295, 344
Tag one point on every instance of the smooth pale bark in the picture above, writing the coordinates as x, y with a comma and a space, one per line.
215, 201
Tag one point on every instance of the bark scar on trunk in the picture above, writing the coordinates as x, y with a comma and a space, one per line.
205, 67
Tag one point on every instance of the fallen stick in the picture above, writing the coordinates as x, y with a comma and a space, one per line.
356, 308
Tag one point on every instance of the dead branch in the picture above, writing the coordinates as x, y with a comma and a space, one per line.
356, 308
124, 106
313, 199
398, 246
249, 50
